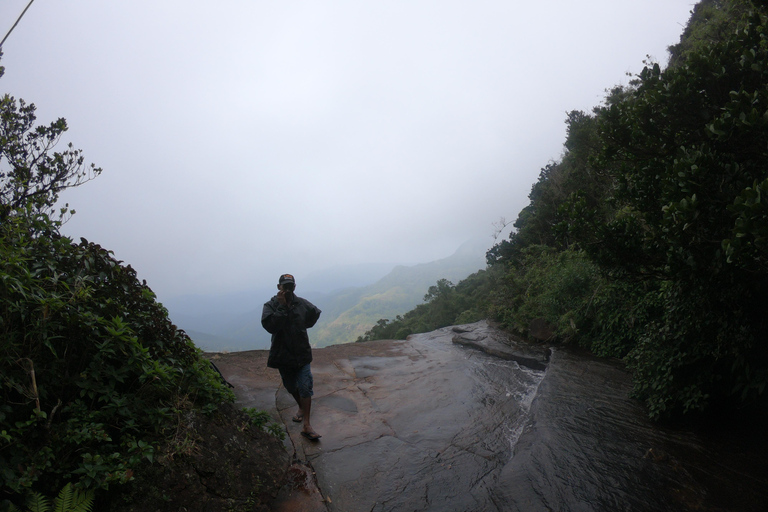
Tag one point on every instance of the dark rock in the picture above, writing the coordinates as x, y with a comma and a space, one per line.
428, 424
494, 342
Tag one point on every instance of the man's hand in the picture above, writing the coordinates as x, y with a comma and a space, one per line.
281, 298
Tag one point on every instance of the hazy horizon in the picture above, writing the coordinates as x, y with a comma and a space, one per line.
230, 321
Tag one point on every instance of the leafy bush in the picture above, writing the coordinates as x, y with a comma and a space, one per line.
93, 371
262, 420
688, 152
623, 312
93, 374
562, 288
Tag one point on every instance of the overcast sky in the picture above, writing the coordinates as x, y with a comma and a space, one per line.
244, 139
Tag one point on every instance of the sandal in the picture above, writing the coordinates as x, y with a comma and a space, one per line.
312, 436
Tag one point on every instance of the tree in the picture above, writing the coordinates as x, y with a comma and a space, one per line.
31, 173
687, 153
93, 374
664, 188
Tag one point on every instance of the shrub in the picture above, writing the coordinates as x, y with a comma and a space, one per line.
558, 287
93, 371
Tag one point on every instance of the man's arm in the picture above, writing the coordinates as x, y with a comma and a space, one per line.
273, 316
313, 314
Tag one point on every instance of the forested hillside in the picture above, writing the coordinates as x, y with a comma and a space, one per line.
648, 240
96, 382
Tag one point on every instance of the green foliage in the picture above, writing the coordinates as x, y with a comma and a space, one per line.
564, 193
711, 21
623, 311
748, 244
648, 240
557, 287
70, 499
93, 375
688, 153
262, 420
90, 363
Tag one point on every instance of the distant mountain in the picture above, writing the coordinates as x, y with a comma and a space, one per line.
233, 322
349, 314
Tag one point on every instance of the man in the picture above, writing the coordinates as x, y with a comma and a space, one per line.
287, 317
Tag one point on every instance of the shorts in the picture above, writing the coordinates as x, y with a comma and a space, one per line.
298, 380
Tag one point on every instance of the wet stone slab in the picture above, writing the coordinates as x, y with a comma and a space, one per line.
499, 344
465, 419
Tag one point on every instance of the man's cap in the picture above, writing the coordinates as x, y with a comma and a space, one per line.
286, 278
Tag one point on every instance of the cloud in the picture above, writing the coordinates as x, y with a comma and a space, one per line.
244, 139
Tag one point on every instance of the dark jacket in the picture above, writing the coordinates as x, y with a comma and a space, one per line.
288, 326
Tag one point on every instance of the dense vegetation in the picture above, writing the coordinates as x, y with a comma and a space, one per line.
648, 240
93, 375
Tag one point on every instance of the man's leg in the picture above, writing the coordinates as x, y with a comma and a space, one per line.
290, 383
305, 406
305, 410
304, 399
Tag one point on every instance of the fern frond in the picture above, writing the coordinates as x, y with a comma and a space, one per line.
71, 499
38, 503
63, 502
82, 501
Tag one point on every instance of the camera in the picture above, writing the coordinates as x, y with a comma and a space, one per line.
289, 287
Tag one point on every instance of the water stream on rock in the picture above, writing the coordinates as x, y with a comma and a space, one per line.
513, 383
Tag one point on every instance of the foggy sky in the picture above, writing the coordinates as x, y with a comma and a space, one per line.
244, 139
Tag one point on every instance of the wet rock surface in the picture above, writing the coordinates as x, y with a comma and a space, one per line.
500, 344
468, 419
587, 446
